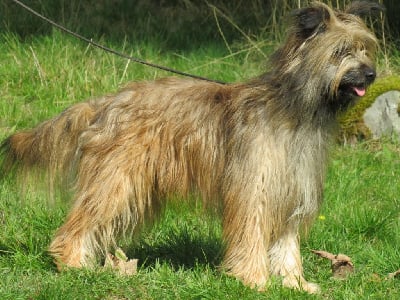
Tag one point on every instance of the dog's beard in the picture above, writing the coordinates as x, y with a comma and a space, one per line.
356, 81
354, 85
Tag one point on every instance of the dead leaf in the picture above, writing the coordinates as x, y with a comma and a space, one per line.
341, 266
394, 274
121, 263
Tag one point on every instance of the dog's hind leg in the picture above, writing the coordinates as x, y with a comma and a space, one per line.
104, 207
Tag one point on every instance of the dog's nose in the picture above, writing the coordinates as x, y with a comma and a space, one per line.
370, 75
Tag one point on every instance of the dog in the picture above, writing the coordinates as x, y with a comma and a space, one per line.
259, 149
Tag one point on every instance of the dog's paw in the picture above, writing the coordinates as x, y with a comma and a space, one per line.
301, 284
311, 287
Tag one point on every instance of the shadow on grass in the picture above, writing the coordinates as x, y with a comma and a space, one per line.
186, 234
185, 249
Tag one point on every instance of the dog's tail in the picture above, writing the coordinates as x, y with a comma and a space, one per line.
51, 146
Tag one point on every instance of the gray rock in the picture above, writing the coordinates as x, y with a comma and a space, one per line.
383, 117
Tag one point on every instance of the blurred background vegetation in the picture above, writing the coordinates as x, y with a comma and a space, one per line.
177, 24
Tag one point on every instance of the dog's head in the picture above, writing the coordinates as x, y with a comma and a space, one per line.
331, 52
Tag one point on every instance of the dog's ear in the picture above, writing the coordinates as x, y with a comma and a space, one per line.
364, 8
310, 19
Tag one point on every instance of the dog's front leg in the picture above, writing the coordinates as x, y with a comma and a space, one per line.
285, 260
246, 236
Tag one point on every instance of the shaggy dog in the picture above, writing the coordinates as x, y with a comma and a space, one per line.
258, 148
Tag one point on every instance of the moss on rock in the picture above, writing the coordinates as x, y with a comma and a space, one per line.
352, 125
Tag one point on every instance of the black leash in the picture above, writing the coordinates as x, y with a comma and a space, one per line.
90, 41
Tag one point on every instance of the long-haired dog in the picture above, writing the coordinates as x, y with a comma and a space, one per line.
259, 148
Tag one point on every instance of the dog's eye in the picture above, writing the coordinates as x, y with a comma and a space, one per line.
340, 53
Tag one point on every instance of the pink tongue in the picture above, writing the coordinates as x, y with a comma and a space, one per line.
360, 91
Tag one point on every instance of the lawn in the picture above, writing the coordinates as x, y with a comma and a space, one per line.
179, 256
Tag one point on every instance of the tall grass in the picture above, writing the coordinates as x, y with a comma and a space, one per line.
44, 75
180, 24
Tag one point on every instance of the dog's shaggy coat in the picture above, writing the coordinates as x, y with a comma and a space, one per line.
258, 148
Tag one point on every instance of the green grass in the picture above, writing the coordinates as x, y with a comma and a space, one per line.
42, 76
179, 257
